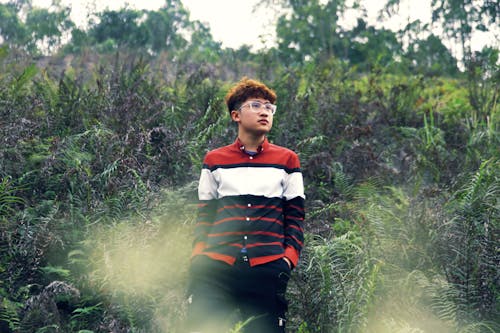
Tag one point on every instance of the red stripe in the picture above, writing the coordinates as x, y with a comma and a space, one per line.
290, 217
271, 155
264, 244
297, 207
235, 245
239, 245
218, 256
229, 233
295, 227
295, 239
265, 259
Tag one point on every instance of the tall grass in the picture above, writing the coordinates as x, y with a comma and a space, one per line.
99, 172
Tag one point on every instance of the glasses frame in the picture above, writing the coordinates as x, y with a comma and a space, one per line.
263, 106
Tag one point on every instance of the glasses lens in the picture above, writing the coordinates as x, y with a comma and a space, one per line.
269, 107
256, 106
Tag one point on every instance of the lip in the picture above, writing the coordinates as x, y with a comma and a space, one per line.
263, 121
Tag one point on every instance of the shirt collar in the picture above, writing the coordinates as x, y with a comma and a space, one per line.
239, 145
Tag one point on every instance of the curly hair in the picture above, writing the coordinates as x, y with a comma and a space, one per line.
245, 89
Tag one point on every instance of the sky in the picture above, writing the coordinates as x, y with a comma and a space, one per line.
234, 22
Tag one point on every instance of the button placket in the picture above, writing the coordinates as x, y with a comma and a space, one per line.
244, 249
248, 213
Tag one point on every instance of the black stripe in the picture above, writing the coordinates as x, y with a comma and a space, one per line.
224, 249
252, 165
246, 226
265, 250
249, 198
267, 212
221, 241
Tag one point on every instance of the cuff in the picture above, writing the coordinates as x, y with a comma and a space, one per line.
292, 254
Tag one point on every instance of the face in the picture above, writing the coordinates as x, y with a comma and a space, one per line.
253, 120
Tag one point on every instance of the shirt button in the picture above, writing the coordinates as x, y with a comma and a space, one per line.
248, 219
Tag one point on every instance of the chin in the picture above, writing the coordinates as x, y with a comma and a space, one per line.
262, 132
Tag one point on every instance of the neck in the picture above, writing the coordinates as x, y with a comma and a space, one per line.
251, 142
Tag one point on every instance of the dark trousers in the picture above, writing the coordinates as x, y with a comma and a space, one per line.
221, 296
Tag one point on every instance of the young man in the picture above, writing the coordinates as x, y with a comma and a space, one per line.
249, 232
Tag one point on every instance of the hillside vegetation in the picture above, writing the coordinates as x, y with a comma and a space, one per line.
102, 139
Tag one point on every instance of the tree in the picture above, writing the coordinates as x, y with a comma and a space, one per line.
367, 46
163, 26
42, 30
202, 46
12, 29
121, 27
310, 30
431, 57
46, 27
150, 30
461, 18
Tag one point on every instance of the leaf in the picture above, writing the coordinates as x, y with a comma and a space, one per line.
28, 73
4, 51
56, 270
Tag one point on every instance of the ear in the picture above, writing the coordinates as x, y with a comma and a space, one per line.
235, 116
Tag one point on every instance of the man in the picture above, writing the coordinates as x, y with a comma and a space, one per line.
249, 232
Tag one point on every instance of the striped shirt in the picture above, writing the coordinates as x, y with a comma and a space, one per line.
252, 203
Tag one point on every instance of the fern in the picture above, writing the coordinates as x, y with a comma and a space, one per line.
25, 78
7, 198
469, 239
9, 311
334, 287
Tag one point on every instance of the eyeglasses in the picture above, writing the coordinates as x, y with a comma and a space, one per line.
255, 106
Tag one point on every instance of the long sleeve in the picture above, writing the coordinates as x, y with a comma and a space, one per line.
252, 202
207, 190
294, 213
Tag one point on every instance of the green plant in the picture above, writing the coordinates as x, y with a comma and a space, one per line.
8, 199
9, 311
333, 288
468, 243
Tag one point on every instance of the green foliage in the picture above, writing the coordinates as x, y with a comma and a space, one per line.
483, 86
11, 27
48, 27
370, 47
412, 292
322, 297
138, 265
8, 199
307, 32
101, 149
431, 57
9, 312
469, 239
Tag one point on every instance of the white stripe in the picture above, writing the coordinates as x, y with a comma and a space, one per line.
260, 181
293, 186
207, 187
